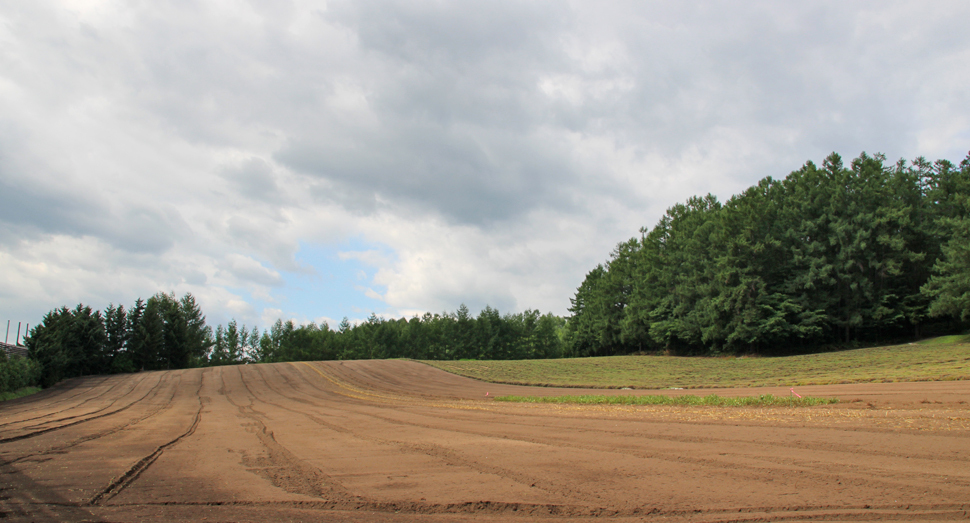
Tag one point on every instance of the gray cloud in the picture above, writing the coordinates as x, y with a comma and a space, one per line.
253, 178
454, 109
29, 208
499, 148
471, 176
34, 208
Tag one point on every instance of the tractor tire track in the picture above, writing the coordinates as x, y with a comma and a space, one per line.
756, 514
129, 476
58, 449
72, 407
393, 441
78, 422
437, 452
308, 480
51, 396
768, 470
784, 444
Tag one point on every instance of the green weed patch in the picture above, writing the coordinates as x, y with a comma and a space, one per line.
713, 400
26, 391
942, 359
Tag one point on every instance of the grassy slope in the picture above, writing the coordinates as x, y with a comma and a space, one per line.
937, 359
26, 391
712, 400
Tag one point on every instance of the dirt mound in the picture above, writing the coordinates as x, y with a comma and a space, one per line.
401, 441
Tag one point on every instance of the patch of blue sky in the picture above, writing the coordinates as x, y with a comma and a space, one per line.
338, 282
334, 281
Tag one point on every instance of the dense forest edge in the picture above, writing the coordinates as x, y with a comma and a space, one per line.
830, 256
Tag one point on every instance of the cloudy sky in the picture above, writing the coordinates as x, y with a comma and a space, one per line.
316, 160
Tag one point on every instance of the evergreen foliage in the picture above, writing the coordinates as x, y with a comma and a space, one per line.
169, 333
17, 373
162, 333
830, 255
448, 336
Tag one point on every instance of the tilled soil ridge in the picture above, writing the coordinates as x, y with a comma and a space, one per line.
401, 441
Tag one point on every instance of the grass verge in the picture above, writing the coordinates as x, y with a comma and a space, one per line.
939, 359
713, 400
26, 391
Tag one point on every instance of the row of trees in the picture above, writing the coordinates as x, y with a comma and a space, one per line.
169, 333
829, 255
450, 336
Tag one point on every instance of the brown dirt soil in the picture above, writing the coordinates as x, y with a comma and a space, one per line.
400, 441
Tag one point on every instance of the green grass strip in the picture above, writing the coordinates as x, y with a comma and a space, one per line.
713, 400
26, 391
939, 359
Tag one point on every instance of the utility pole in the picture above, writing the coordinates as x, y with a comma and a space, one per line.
18, 333
7, 337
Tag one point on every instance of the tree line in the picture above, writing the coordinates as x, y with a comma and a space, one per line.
169, 333
830, 255
449, 336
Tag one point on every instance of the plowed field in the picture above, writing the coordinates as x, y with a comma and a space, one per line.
400, 441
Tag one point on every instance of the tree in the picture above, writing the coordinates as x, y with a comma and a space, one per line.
687, 274
46, 345
69, 343
116, 339
147, 345
584, 329
198, 336
949, 286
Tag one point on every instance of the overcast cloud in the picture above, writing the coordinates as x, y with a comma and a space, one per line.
314, 160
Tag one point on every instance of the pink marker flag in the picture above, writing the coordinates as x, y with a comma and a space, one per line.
486, 394
795, 393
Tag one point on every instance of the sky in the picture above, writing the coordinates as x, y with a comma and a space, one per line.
313, 160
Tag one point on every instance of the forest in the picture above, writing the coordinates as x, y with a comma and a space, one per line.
828, 257
169, 333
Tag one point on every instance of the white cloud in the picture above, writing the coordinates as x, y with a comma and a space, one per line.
371, 293
244, 270
270, 315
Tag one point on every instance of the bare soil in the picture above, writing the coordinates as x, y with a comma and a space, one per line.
400, 441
